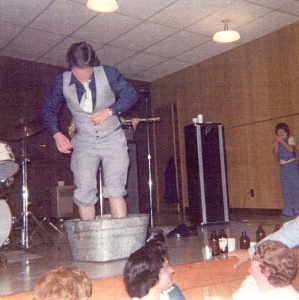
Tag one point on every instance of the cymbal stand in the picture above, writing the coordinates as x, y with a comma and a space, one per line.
149, 157
25, 213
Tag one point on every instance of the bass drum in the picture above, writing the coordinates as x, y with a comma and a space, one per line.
5, 222
8, 166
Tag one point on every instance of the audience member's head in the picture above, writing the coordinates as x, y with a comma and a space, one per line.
282, 126
148, 270
63, 284
276, 262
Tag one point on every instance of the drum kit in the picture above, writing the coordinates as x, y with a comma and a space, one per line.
8, 168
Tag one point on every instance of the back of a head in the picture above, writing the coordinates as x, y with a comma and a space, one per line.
63, 284
142, 269
82, 55
277, 261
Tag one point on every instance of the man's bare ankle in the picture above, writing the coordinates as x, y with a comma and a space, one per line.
87, 213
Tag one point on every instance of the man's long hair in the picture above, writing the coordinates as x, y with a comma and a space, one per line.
81, 55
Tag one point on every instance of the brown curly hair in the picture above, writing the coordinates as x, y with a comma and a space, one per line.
277, 261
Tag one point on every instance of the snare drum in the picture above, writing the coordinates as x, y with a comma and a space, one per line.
5, 221
8, 166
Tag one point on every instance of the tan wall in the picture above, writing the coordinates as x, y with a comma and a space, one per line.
249, 89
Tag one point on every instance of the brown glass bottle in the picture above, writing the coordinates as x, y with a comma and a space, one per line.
244, 241
260, 233
223, 245
277, 227
214, 243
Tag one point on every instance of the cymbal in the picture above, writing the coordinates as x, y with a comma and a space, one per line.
24, 129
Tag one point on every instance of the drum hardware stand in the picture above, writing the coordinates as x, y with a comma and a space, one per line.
25, 213
46, 219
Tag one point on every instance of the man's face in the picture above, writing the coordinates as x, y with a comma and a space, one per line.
165, 277
82, 74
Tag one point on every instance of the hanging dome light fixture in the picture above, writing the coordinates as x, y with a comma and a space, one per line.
103, 6
226, 36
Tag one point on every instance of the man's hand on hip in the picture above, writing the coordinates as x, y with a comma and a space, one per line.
101, 116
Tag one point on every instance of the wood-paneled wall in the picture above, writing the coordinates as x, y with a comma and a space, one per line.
249, 89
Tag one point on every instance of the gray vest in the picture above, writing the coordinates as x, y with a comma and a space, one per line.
88, 131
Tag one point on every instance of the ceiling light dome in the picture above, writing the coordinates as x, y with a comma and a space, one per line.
103, 6
226, 36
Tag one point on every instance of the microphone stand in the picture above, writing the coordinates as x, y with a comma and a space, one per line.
149, 157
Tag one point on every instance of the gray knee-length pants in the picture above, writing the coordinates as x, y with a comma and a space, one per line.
86, 157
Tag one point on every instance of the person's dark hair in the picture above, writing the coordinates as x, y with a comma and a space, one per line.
81, 55
277, 261
142, 269
282, 126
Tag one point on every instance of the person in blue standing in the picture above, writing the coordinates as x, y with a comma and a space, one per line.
95, 95
284, 149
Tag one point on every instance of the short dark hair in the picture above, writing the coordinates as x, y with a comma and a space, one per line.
277, 261
81, 55
142, 269
282, 126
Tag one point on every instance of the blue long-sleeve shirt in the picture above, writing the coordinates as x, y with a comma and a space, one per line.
55, 98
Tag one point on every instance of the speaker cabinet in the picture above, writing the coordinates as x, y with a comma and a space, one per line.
62, 201
206, 173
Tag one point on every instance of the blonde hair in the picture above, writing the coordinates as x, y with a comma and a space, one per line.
63, 283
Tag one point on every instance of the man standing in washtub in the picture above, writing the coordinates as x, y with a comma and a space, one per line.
89, 90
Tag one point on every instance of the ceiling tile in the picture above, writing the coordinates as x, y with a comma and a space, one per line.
63, 22
271, 3
143, 35
21, 12
110, 55
59, 51
177, 44
165, 68
142, 9
292, 8
183, 13
265, 25
34, 42
139, 63
205, 51
8, 32
105, 28
49, 61
238, 12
